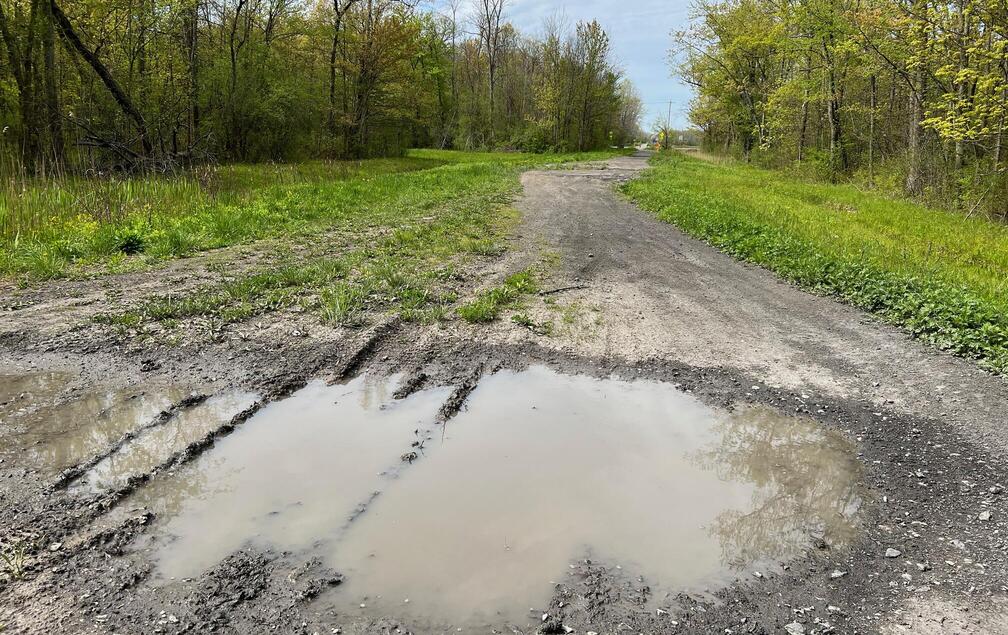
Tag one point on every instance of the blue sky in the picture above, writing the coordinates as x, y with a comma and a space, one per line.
640, 34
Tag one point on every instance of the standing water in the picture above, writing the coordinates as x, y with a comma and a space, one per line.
541, 469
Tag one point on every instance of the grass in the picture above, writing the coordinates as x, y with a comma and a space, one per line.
62, 226
14, 557
488, 304
938, 274
390, 243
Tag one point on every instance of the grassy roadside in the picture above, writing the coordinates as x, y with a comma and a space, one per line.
396, 249
66, 227
940, 275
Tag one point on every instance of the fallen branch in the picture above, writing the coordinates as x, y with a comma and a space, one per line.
562, 289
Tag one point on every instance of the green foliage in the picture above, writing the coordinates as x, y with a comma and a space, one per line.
836, 88
403, 243
177, 217
937, 274
488, 304
169, 83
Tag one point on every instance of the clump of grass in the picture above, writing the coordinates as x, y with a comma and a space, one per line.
938, 274
410, 269
488, 304
342, 304
14, 556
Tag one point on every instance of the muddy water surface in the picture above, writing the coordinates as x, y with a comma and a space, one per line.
46, 428
540, 470
292, 476
154, 445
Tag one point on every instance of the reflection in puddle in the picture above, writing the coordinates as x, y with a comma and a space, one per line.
24, 392
42, 432
152, 447
291, 476
560, 468
540, 470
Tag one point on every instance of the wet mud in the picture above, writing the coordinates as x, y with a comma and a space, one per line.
654, 479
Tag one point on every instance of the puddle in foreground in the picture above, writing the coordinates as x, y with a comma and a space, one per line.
291, 477
152, 447
49, 431
540, 470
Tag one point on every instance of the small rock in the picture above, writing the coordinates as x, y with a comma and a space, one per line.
795, 628
837, 573
893, 553
757, 574
984, 516
56, 546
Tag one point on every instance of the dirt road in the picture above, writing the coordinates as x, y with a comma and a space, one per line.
625, 296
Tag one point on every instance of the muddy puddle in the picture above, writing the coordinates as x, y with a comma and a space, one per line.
48, 428
539, 471
154, 445
292, 477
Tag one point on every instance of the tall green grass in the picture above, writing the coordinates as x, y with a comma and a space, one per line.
940, 275
53, 227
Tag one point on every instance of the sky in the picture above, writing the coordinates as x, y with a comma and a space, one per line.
640, 33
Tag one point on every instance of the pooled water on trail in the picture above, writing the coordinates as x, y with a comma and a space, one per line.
292, 476
540, 470
49, 429
153, 446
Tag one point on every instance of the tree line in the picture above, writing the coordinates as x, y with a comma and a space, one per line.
912, 94
144, 82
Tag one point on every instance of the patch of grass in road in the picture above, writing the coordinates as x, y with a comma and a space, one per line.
407, 264
940, 275
75, 226
488, 304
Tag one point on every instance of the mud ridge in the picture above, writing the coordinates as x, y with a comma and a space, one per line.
454, 403
412, 384
71, 474
375, 339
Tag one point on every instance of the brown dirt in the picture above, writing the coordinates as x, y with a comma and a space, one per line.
641, 299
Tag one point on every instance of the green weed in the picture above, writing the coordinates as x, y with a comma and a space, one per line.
488, 305
14, 555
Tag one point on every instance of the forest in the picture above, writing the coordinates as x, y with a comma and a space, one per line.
139, 84
907, 95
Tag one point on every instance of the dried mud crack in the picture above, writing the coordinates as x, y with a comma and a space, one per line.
636, 303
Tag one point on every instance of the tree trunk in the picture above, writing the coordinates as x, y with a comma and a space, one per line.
24, 76
914, 181
915, 134
193, 40
51, 93
871, 130
120, 97
802, 131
